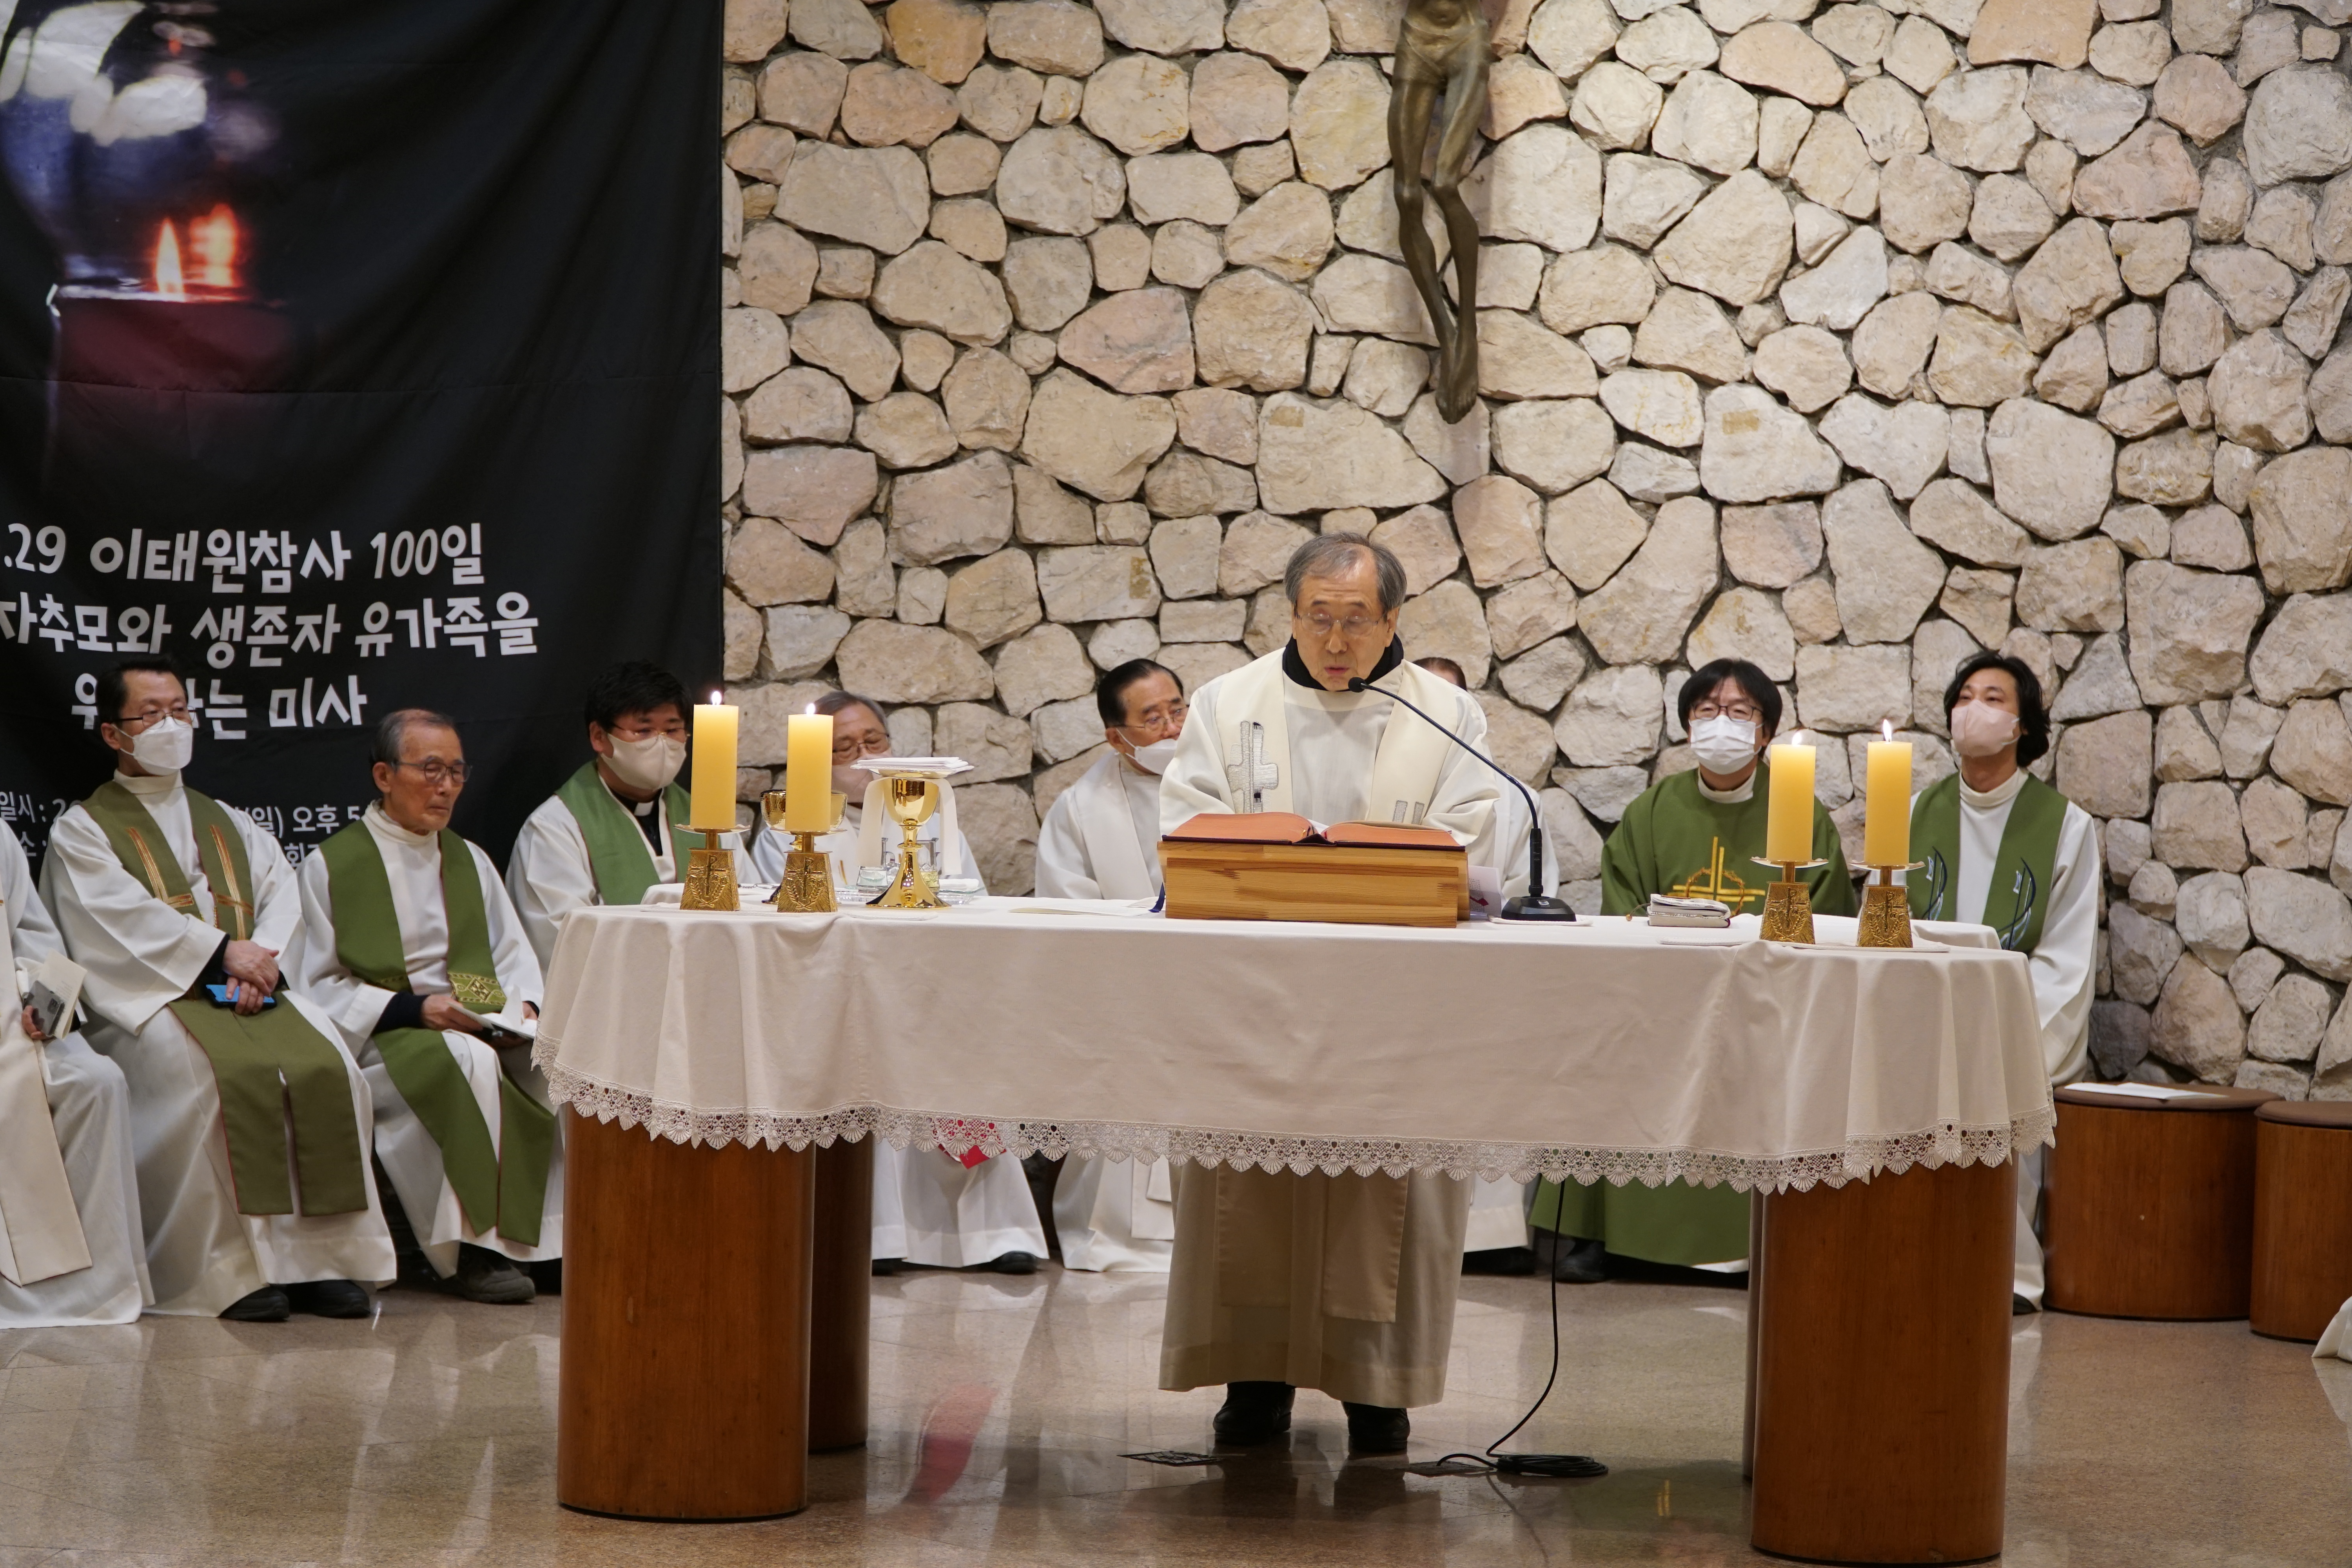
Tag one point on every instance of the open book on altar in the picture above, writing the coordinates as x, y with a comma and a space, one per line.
1283, 828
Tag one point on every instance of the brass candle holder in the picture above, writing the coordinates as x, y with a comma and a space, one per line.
909, 802
806, 886
1788, 902
709, 875
1885, 909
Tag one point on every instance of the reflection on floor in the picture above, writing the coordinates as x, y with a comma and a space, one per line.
427, 1437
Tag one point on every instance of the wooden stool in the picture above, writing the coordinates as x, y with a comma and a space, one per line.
684, 1392
2150, 1203
2303, 1217
1882, 1367
840, 1327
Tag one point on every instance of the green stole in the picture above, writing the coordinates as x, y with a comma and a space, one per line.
506, 1193
2024, 872
263, 1066
617, 853
1674, 840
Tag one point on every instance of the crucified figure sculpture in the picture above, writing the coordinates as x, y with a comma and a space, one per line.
1443, 48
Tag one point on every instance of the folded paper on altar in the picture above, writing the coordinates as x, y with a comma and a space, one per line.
1272, 865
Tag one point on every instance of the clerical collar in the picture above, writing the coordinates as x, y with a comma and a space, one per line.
150, 786
1744, 791
1295, 668
1993, 799
380, 821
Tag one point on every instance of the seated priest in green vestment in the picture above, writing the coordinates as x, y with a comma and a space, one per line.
1690, 835
250, 1121
619, 824
2004, 849
410, 941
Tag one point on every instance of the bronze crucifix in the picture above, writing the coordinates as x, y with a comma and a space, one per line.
1442, 47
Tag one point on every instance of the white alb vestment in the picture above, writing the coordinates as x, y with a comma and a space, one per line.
1341, 1283
2062, 966
142, 954
549, 875
412, 865
1101, 840
69, 1195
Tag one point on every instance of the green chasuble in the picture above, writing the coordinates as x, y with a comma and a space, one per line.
505, 1192
269, 1068
1674, 840
618, 855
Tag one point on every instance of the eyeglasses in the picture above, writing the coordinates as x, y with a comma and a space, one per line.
177, 711
849, 748
1167, 720
438, 772
1745, 713
1352, 628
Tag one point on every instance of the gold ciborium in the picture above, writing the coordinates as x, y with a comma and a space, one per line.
806, 885
909, 802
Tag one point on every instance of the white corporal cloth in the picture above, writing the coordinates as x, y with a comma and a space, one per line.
1601, 1050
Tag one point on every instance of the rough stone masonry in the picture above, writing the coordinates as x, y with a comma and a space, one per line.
1848, 339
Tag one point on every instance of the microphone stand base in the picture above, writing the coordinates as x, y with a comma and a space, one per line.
1538, 908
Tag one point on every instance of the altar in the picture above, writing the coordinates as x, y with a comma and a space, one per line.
1875, 1096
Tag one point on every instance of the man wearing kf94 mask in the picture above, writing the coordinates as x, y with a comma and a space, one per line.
613, 830
2004, 849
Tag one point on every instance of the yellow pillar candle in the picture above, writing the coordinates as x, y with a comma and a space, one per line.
1788, 825
1886, 810
713, 793
808, 773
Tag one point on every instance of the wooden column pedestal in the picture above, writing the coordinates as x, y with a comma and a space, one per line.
684, 1388
1881, 1374
2302, 1217
839, 1326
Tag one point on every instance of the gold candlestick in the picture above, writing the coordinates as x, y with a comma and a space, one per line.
1885, 910
806, 887
909, 802
1788, 902
709, 875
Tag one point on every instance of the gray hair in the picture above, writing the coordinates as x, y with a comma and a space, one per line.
1329, 554
394, 727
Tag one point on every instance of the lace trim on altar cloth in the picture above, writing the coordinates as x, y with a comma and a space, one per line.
1859, 1159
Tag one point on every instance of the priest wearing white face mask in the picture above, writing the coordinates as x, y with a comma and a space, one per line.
1101, 840
860, 729
614, 828
2004, 849
161, 893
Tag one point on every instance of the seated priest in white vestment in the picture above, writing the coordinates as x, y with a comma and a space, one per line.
70, 1249
410, 941
1346, 1283
930, 1207
1497, 1241
1101, 840
619, 824
179, 908
2006, 851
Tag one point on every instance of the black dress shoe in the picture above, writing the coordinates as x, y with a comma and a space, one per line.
1506, 1260
1573, 1260
267, 1305
487, 1277
1011, 1263
2018, 1307
888, 1266
1376, 1428
328, 1298
1253, 1413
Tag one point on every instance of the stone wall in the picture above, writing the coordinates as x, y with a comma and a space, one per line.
1848, 339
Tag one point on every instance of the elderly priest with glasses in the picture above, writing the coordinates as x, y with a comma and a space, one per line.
410, 941
249, 1124
1344, 1284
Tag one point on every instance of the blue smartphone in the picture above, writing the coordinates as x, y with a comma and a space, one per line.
219, 993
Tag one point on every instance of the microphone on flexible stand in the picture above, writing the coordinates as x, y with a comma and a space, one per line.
1536, 905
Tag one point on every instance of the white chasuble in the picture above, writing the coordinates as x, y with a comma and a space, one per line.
1342, 1283
142, 953
412, 865
40, 1233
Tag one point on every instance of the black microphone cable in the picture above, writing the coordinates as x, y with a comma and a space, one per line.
1546, 1466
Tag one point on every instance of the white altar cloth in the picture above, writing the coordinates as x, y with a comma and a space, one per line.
1599, 1050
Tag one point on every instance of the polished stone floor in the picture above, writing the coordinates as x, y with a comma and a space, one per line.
1001, 1404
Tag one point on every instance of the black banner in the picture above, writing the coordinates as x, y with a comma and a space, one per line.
356, 357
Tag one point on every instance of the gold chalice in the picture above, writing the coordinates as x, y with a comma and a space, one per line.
909, 802
806, 885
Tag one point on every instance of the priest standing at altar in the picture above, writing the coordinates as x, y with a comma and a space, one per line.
162, 894
1345, 1284
410, 940
1101, 840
